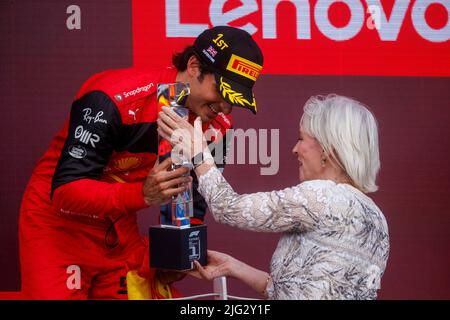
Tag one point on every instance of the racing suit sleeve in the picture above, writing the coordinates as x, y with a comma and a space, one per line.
94, 132
219, 151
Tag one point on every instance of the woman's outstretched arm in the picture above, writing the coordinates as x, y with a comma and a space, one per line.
221, 264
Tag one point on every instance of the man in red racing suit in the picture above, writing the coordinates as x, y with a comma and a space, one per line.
78, 233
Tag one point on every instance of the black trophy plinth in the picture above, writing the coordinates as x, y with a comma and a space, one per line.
175, 248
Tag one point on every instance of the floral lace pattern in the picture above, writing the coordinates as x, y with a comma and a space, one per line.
334, 242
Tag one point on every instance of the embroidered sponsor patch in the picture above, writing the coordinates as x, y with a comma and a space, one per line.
77, 152
244, 67
234, 96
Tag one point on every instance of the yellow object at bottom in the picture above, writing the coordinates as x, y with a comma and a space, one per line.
140, 288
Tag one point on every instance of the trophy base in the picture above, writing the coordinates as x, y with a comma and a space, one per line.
177, 248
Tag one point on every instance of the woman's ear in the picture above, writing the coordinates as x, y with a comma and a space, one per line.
193, 67
333, 158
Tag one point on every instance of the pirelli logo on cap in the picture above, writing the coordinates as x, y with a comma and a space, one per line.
244, 67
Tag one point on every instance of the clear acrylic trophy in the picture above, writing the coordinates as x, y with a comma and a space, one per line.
175, 244
179, 211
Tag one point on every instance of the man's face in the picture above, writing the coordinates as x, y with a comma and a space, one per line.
204, 99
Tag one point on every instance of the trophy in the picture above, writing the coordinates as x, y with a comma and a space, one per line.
175, 244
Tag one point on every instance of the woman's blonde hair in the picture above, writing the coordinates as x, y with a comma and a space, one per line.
348, 133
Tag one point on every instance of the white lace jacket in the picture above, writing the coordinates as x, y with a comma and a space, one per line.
335, 241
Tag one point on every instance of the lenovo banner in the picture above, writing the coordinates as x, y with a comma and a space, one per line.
324, 37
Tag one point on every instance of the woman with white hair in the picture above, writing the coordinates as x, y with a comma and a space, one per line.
335, 241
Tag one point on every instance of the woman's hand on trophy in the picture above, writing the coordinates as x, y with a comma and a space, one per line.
219, 264
185, 138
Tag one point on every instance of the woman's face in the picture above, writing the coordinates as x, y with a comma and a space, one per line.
309, 154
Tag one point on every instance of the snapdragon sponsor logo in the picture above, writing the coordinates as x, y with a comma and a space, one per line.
251, 146
137, 90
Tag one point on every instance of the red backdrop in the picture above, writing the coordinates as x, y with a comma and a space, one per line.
314, 37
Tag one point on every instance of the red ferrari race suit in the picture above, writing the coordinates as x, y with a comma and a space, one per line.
78, 233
